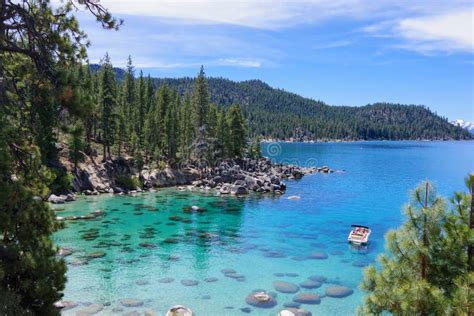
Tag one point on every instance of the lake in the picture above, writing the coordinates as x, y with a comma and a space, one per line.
158, 252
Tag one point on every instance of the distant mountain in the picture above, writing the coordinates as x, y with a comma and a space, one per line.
281, 114
469, 126
276, 113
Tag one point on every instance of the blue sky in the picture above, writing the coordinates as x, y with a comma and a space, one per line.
344, 52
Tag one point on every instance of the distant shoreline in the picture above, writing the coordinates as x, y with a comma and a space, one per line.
271, 140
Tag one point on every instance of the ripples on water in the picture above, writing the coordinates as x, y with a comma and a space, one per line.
152, 247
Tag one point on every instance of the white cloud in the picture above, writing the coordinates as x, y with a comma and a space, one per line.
163, 33
243, 62
270, 14
451, 31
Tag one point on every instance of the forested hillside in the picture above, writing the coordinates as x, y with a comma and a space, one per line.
280, 114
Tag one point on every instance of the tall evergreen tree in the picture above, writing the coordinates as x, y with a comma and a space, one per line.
128, 97
76, 144
222, 135
201, 100
426, 272
237, 135
187, 127
140, 109
35, 42
108, 104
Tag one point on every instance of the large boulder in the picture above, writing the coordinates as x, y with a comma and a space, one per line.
238, 190
261, 299
338, 291
55, 199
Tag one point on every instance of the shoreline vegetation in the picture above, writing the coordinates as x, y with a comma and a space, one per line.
151, 137
339, 140
64, 125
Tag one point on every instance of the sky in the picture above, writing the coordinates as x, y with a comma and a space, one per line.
343, 52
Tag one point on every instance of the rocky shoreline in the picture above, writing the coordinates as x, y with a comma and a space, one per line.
235, 177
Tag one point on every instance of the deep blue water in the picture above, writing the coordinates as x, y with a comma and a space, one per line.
256, 236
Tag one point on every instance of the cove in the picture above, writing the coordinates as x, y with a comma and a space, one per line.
150, 252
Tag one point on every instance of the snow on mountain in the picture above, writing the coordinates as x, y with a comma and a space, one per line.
464, 124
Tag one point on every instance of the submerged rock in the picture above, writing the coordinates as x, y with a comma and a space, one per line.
166, 280
261, 299
338, 291
95, 255
90, 310
285, 287
147, 245
318, 255
189, 282
318, 278
131, 302
211, 280
307, 298
142, 282
310, 284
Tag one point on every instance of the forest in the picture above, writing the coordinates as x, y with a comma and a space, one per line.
135, 118
276, 113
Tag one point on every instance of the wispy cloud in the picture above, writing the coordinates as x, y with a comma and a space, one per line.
449, 32
243, 62
273, 14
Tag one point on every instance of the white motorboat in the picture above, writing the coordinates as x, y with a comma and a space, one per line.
359, 235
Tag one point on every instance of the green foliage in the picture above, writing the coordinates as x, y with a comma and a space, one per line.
237, 138
126, 182
62, 181
108, 103
280, 114
254, 150
40, 49
426, 270
201, 100
76, 144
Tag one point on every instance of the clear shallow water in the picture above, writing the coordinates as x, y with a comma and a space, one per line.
257, 235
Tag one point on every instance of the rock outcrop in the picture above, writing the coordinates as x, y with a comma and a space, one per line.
236, 177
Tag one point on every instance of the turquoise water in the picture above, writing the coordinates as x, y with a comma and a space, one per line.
257, 236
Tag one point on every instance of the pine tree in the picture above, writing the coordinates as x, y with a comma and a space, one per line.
36, 42
254, 150
201, 100
44, 118
237, 135
426, 272
222, 135
76, 144
128, 98
140, 108
121, 132
187, 130
172, 127
108, 105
